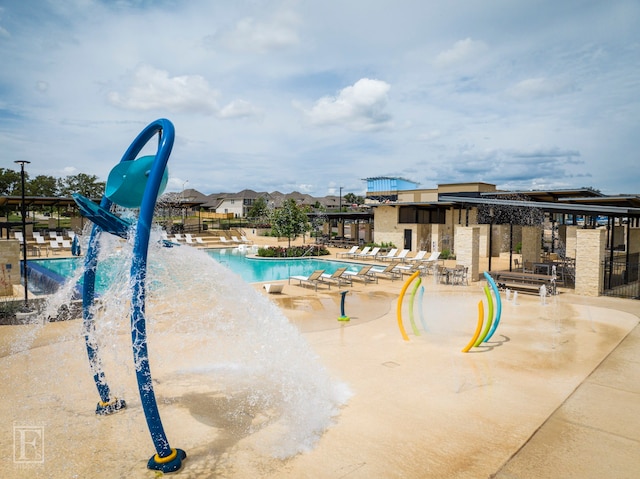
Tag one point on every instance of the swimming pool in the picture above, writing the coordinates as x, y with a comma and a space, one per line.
255, 270
251, 269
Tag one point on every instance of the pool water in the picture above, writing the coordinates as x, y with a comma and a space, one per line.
251, 269
255, 270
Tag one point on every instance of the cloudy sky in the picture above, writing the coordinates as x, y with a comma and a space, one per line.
312, 95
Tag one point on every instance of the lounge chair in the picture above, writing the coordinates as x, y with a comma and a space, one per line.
389, 256
338, 277
419, 256
235, 239
371, 254
431, 262
200, 241
364, 252
245, 240
402, 255
224, 240
363, 275
349, 253
54, 246
178, 237
314, 279
391, 272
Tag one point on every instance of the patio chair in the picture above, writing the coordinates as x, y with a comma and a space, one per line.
371, 254
314, 279
460, 274
338, 277
245, 240
349, 253
389, 256
390, 272
235, 239
363, 275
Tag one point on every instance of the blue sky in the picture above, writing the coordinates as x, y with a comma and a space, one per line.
311, 96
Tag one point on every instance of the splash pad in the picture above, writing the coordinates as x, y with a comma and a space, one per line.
218, 349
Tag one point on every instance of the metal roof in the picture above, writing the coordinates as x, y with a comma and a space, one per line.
554, 207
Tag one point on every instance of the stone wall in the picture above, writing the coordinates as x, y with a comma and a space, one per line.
590, 251
467, 240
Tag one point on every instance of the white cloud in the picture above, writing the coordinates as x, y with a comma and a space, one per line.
539, 87
253, 35
361, 106
153, 89
239, 109
461, 52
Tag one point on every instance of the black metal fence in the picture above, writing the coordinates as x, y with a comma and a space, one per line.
621, 277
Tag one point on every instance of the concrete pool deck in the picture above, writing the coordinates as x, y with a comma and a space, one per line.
555, 393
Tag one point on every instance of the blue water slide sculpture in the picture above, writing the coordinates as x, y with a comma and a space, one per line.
134, 182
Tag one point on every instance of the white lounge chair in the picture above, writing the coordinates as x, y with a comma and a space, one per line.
364, 251
235, 239
389, 256
402, 256
349, 253
54, 246
371, 254
418, 257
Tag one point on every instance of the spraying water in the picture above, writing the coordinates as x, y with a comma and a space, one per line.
214, 342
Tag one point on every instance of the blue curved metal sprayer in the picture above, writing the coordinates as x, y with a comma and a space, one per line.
134, 182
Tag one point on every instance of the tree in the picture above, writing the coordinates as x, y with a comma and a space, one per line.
259, 211
86, 185
352, 199
289, 221
10, 182
42, 185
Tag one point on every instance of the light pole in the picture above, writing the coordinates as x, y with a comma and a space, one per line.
24, 235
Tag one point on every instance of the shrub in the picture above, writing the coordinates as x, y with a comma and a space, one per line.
293, 251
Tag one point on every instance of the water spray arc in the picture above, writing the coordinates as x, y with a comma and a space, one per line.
132, 183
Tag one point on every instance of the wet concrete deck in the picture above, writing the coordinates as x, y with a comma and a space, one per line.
555, 393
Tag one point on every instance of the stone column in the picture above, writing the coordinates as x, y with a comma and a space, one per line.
368, 235
531, 244
570, 241
340, 229
10, 252
467, 240
590, 251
